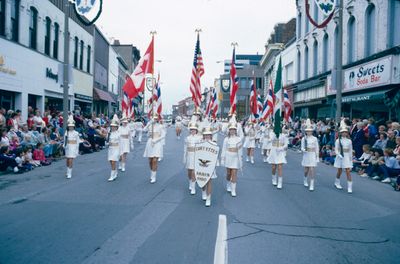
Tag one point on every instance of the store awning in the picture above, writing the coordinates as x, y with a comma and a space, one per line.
372, 96
102, 95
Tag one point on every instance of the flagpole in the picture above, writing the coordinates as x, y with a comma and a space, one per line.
234, 45
197, 110
152, 33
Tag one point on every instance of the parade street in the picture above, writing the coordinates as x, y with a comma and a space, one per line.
45, 218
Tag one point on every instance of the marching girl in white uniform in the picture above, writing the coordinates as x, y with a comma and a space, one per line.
188, 155
125, 143
131, 126
72, 141
258, 128
206, 193
178, 127
231, 156
266, 141
216, 128
250, 141
310, 149
114, 147
277, 157
344, 159
156, 134
139, 130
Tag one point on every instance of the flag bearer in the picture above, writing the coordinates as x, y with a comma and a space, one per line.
188, 155
266, 142
250, 141
178, 127
310, 149
156, 134
231, 156
125, 142
114, 147
71, 143
206, 193
277, 157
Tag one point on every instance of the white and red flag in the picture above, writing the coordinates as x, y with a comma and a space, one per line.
253, 100
287, 106
197, 73
269, 102
234, 85
214, 104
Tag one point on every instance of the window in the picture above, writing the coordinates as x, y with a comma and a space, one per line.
56, 39
370, 30
243, 83
307, 24
306, 62
325, 48
76, 52
351, 36
298, 65
299, 26
2, 17
394, 23
47, 36
81, 56
316, 12
33, 28
15, 20
315, 58
89, 53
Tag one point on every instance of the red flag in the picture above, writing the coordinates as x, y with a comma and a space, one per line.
234, 85
145, 66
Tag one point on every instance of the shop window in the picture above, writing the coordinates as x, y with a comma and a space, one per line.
76, 52
315, 58
89, 54
306, 55
370, 30
15, 20
351, 37
325, 48
81, 56
33, 28
56, 40
47, 37
7, 100
2, 17
394, 23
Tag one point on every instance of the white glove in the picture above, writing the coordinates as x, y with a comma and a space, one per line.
339, 155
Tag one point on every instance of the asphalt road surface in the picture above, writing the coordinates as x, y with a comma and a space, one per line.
45, 218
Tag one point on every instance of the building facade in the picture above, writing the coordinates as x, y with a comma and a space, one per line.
31, 56
371, 39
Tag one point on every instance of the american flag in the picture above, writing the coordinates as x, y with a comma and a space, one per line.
197, 72
287, 106
234, 85
159, 101
260, 105
215, 104
269, 102
153, 101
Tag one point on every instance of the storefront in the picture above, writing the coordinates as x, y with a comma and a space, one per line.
309, 99
101, 101
83, 88
370, 89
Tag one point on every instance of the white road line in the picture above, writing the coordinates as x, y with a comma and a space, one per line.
221, 244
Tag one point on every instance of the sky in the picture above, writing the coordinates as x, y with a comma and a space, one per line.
247, 22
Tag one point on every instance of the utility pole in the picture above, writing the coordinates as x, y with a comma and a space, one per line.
66, 64
339, 64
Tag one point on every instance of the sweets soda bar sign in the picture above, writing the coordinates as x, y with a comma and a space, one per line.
372, 74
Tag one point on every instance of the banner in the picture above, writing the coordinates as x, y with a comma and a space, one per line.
205, 156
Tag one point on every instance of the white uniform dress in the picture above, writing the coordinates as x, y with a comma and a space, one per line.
267, 139
310, 151
131, 126
178, 124
139, 130
347, 161
72, 146
124, 139
250, 137
215, 128
154, 142
231, 155
278, 149
113, 146
188, 151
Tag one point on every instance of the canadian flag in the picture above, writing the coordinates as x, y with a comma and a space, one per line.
145, 66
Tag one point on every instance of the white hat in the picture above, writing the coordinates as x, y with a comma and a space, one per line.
115, 121
343, 127
308, 125
71, 121
232, 123
207, 130
193, 125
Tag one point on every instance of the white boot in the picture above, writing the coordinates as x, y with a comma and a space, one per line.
228, 186
193, 187
120, 165
69, 173
113, 175
252, 159
204, 195
153, 177
247, 159
349, 186
190, 185
208, 200
280, 180
274, 180
233, 193
123, 166
337, 184
311, 185
305, 182
265, 159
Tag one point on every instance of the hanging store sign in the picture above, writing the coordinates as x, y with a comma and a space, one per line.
327, 7
88, 11
367, 75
